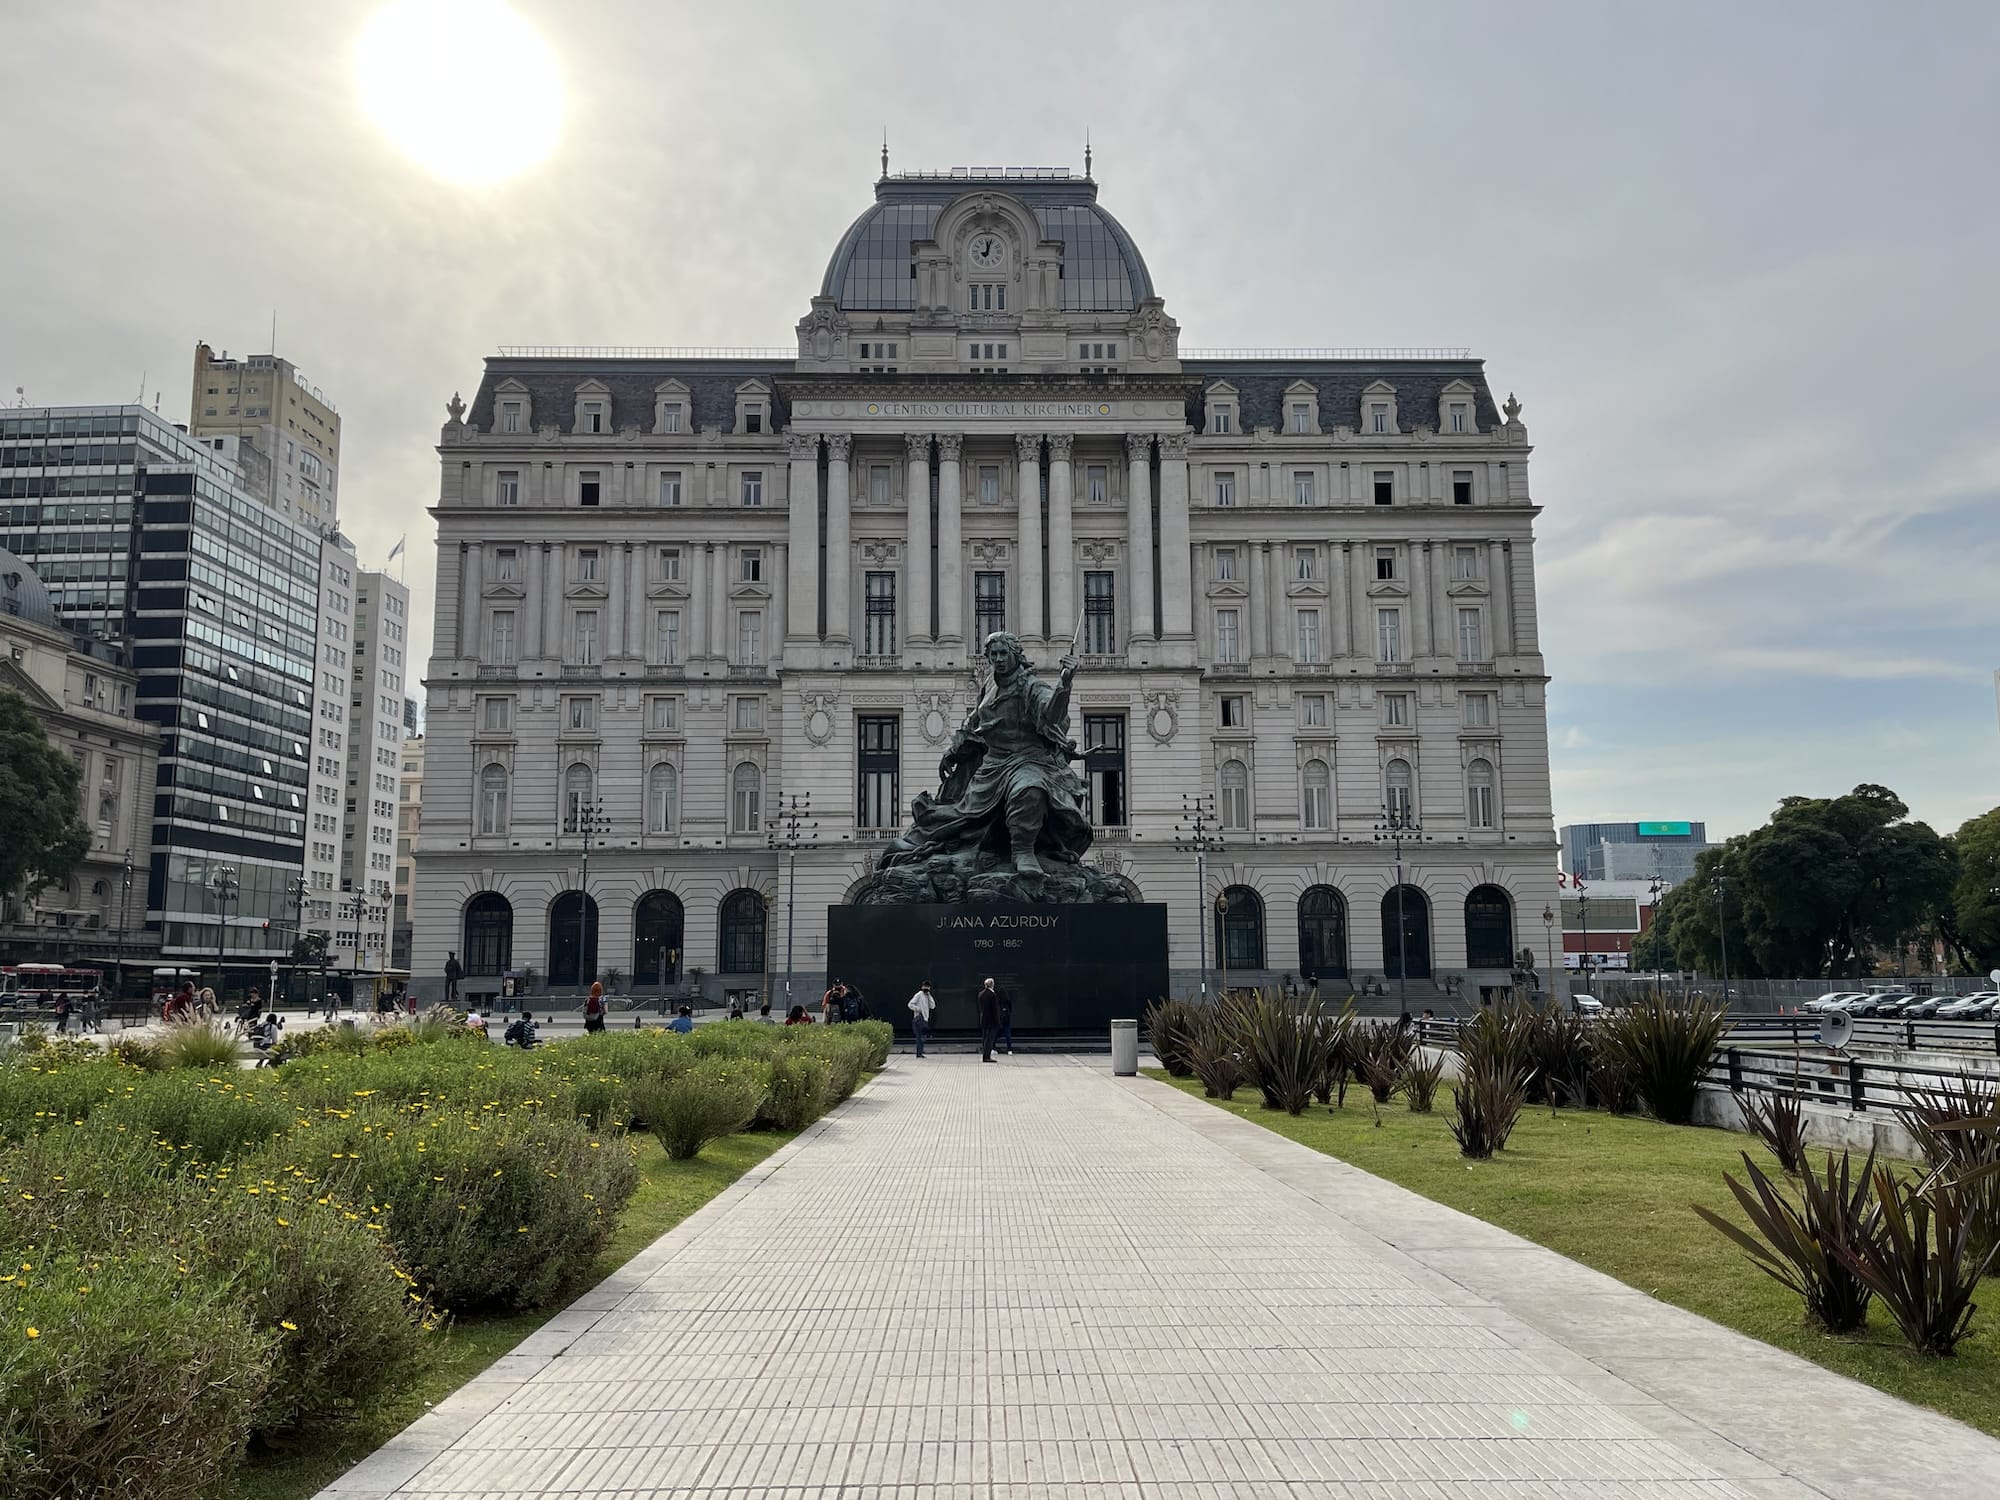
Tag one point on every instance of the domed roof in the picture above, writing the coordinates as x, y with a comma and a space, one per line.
22, 593
871, 267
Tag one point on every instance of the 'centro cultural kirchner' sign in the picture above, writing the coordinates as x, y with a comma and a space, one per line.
1019, 411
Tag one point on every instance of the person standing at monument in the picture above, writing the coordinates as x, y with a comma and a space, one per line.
453, 972
1006, 1019
989, 1020
922, 1003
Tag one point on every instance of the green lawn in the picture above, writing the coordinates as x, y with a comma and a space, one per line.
668, 1192
1614, 1193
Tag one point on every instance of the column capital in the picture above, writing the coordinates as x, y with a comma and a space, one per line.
1028, 447
1059, 446
1174, 445
802, 445
948, 446
837, 446
918, 446
1138, 446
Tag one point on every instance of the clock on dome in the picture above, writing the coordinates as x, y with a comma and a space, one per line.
987, 252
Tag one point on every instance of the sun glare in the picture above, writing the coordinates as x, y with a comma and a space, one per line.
466, 89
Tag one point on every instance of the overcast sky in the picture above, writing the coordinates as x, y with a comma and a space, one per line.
1739, 263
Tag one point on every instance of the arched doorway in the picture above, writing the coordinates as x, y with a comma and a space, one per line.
741, 945
487, 943
657, 924
564, 914
1415, 933
1322, 933
1489, 929
1239, 931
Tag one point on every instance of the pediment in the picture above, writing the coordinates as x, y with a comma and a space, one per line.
670, 387
1459, 388
1388, 588
588, 591
593, 387
1378, 388
510, 387
1222, 388
750, 591
1301, 388
1463, 586
13, 677
1228, 588
506, 591
753, 388
666, 591
1306, 588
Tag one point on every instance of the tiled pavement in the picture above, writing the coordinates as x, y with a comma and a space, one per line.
1026, 1280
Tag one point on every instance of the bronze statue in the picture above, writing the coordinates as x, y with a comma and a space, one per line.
1008, 823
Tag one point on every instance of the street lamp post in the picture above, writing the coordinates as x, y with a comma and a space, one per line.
222, 886
1583, 920
1549, 940
586, 818
298, 895
1198, 835
356, 911
124, 923
1398, 823
1222, 940
1656, 888
1719, 884
796, 830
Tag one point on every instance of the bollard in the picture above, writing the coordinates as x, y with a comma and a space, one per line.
1125, 1048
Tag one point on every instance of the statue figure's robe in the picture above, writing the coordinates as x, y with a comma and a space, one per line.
1015, 741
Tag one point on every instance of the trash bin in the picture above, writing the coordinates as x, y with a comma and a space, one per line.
1125, 1048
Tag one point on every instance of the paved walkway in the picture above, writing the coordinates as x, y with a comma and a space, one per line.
1027, 1280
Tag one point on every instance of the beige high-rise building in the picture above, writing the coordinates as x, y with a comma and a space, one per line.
275, 426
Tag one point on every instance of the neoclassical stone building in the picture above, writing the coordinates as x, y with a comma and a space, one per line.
689, 589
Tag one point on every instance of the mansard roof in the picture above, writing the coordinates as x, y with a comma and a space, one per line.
1261, 385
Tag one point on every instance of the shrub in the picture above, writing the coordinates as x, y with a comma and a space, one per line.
486, 1209
340, 1037
37, 1047
880, 1035
1920, 1257
1611, 1083
1957, 1128
196, 1044
710, 1100
799, 1093
1214, 1049
1419, 1081
1778, 1119
1495, 1063
1803, 1248
142, 1385
1561, 1048
1169, 1028
33, 1097
844, 1053
1665, 1048
1293, 1043
198, 1119
1381, 1049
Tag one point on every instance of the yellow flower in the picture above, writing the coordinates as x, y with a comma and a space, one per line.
289, 1326
34, 1333
285, 1223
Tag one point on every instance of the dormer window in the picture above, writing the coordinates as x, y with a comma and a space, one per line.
1301, 416
1456, 418
1378, 410
593, 408
1222, 409
753, 419
1222, 420
670, 408
1301, 408
753, 407
1378, 416
510, 416
593, 416
1455, 409
670, 419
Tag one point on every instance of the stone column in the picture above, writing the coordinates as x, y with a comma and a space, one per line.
1257, 579
1176, 562
719, 643
555, 581
774, 625
839, 562
636, 634
1421, 615
1337, 604
1496, 590
1355, 561
1521, 597
950, 549
1139, 531
528, 632
1027, 610
802, 528
697, 605
468, 642
1447, 621
917, 499
614, 600
1062, 541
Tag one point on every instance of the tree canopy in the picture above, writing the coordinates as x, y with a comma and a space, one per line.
1975, 896
42, 836
1818, 890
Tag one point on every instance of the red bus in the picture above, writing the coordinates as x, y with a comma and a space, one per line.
26, 983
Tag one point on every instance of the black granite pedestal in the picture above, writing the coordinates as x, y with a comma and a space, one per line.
1067, 968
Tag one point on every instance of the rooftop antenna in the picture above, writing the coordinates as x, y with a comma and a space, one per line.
1086, 156
885, 151
274, 332
141, 401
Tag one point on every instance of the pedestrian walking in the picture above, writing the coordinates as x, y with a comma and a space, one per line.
593, 1008
989, 1020
62, 1014
922, 1003
453, 972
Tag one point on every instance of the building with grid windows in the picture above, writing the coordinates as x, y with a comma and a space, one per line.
677, 593
274, 427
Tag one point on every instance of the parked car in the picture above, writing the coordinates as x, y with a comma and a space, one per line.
1586, 1005
1833, 1000
1924, 1007
1885, 1004
1969, 1007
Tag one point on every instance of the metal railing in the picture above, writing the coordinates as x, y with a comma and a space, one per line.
642, 351
1917, 1034
1837, 1080
1438, 353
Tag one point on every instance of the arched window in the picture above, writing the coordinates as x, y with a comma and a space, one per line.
1239, 931
1235, 794
493, 799
488, 939
1399, 796
1489, 928
746, 791
1317, 802
579, 788
742, 923
99, 889
1322, 933
657, 926
662, 798
1479, 794
572, 930
1406, 933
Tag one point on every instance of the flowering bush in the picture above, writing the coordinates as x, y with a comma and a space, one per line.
801, 1088
716, 1097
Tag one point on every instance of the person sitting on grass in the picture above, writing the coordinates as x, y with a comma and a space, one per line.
522, 1033
264, 1037
684, 1022
476, 1023
798, 1017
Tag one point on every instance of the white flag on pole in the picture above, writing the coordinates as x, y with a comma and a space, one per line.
397, 550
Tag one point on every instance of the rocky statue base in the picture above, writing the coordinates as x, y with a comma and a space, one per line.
981, 877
